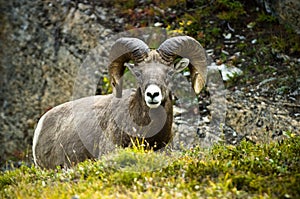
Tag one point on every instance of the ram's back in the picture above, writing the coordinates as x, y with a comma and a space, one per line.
66, 133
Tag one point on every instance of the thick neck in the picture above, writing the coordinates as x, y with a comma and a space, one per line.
156, 123
139, 109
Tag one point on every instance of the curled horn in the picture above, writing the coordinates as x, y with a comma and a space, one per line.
190, 48
124, 50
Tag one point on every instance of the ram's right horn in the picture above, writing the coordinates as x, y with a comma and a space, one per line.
124, 50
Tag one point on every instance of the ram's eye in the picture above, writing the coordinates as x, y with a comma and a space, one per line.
170, 73
137, 74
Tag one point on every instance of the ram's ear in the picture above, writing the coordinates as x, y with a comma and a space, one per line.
182, 64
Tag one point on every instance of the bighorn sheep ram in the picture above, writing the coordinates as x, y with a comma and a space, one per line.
95, 125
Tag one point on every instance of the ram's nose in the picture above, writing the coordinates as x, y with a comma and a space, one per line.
153, 96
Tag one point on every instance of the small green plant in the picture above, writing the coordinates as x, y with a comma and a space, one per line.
263, 17
138, 158
229, 9
106, 88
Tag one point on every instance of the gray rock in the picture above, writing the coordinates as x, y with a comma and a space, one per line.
287, 11
42, 47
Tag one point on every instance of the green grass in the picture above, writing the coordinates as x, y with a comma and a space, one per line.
244, 171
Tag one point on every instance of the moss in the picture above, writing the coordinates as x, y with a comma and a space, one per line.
224, 171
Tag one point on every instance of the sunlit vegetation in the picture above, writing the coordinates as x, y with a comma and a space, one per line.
225, 171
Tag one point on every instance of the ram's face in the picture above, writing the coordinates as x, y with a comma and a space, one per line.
153, 80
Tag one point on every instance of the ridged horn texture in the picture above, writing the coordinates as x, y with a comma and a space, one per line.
124, 50
190, 48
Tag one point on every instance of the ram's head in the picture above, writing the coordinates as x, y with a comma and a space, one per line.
154, 68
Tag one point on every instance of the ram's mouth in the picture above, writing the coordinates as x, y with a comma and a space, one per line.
153, 104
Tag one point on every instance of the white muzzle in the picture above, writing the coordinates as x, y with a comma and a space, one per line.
153, 96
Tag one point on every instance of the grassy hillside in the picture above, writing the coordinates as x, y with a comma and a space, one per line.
225, 171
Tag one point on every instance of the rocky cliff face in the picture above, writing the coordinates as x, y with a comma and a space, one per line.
42, 46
